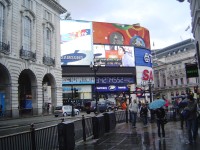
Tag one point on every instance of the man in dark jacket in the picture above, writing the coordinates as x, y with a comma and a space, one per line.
160, 115
192, 119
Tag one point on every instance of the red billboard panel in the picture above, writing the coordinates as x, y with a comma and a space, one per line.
120, 34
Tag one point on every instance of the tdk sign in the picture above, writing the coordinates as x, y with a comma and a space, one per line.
147, 57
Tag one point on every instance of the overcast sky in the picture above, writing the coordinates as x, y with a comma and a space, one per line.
166, 20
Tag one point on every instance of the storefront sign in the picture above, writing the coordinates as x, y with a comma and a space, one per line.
112, 88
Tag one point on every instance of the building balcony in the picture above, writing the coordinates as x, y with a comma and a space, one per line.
27, 55
4, 48
48, 61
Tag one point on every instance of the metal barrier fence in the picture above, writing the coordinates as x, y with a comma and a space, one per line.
47, 138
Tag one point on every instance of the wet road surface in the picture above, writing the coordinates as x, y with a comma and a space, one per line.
124, 137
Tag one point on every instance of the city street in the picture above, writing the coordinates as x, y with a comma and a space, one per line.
12, 126
124, 137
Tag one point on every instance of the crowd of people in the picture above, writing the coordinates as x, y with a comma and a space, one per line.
186, 108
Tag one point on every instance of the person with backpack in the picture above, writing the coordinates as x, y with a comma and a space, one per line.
191, 108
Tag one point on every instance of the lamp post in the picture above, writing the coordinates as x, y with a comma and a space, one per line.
150, 90
150, 94
95, 68
143, 85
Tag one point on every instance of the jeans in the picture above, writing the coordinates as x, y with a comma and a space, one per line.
192, 129
144, 118
161, 125
133, 118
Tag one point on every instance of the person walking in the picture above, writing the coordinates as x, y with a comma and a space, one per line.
160, 115
133, 107
182, 104
144, 114
124, 105
191, 119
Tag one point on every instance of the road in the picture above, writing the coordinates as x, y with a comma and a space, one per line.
13, 126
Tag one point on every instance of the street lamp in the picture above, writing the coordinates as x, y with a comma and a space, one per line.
143, 85
150, 90
95, 68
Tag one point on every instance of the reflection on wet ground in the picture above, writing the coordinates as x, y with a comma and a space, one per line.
124, 137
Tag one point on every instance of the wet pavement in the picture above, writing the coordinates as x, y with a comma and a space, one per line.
124, 137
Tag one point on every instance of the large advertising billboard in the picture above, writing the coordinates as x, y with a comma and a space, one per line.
120, 34
76, 42
143, 57
111, 55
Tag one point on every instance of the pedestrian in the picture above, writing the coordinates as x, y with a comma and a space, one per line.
144, 114
124, 105
191, 119
133, 107
182, 104
160, 116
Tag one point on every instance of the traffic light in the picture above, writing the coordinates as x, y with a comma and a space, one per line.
76, 93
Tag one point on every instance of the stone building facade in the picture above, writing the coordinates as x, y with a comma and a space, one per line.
195, 14
169, 69
29, 56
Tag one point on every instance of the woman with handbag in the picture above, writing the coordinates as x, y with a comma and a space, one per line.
160, 117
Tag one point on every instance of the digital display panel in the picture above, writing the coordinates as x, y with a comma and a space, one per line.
76, 42
111, 55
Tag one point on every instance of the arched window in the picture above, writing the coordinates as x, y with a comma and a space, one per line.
26, 34
2, 9
47, 36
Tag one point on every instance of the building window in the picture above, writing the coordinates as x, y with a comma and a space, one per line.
47, 36
171, 81
47, 15
182, 81
27, 33
176, 80
2, 9
27, 3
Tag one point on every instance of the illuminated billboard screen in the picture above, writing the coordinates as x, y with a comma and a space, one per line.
111, 55
143, 57
120, 34
76, 42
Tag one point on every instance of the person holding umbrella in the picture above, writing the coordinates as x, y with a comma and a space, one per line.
157, 106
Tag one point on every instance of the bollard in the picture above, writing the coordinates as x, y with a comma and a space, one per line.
32, 129
66, 135
83, 125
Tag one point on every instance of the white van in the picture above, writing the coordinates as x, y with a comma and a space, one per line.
65, 110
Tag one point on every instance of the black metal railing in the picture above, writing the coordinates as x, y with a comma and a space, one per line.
27, 55
48, 61
47, 137
4, 48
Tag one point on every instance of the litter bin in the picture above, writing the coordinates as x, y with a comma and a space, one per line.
98, 126
110, 121
66, 135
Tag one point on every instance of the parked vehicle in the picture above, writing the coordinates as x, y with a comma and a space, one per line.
65, 110
90, 106
103, 106
106, 106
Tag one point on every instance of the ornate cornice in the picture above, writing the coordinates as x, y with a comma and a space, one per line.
56, 6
